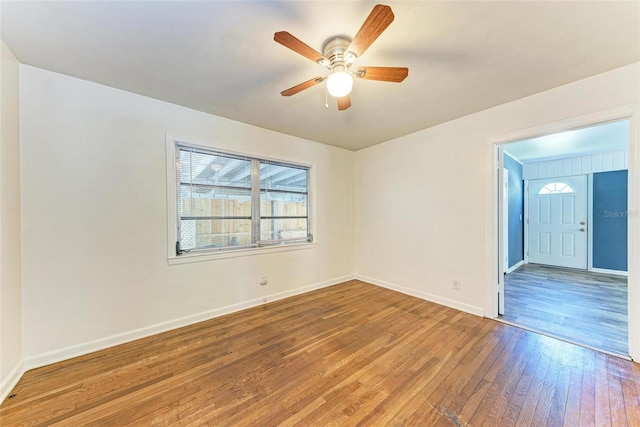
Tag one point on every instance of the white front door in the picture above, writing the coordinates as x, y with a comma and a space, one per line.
558, 221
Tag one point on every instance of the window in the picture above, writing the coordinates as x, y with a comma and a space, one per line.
226, 201
556, 188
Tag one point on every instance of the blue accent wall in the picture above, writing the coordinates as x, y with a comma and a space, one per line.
610, 220
516, 210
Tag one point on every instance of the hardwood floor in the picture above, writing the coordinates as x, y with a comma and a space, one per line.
580, 306
350, 354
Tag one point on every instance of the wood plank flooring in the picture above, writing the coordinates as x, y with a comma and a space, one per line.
351, 354
580, 306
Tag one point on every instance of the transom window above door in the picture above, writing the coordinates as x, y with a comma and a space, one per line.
556, 188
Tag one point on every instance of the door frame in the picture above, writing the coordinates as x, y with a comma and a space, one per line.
494, 280
505, 213
502, 225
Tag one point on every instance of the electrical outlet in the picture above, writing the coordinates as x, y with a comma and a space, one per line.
456, 285
263, 280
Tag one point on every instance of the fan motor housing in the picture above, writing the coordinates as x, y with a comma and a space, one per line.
335, 50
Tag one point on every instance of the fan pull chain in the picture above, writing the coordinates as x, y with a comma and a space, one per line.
326, 97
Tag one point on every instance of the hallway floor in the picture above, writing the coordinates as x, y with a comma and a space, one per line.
579, 306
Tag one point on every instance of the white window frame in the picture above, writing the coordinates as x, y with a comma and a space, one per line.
172, 216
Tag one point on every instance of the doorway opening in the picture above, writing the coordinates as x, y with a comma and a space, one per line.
563, 235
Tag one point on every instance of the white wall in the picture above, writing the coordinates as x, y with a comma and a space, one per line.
424, 208
10, 291
94, 220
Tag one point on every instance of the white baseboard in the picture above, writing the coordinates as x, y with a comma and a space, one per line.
48, 358
515, 266
607, 271
12, 379
472, 309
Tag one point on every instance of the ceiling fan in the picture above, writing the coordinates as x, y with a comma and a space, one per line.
339, 55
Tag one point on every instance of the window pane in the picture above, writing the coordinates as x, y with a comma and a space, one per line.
209, 234
283, 204
214, 169
280, 177
274, 229
556, 188
215, 198
206, 202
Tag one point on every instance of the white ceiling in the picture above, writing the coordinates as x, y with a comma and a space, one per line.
220, 57
607, 137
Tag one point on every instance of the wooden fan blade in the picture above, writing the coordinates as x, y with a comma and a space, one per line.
298, 46
302, 86
385, 74
344, 102
379, 19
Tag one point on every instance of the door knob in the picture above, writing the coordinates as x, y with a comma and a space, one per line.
583, 229
581, 222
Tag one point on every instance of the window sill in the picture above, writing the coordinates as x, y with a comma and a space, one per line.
210, 256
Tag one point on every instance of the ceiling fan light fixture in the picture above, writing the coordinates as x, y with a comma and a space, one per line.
339, 55
339, 84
